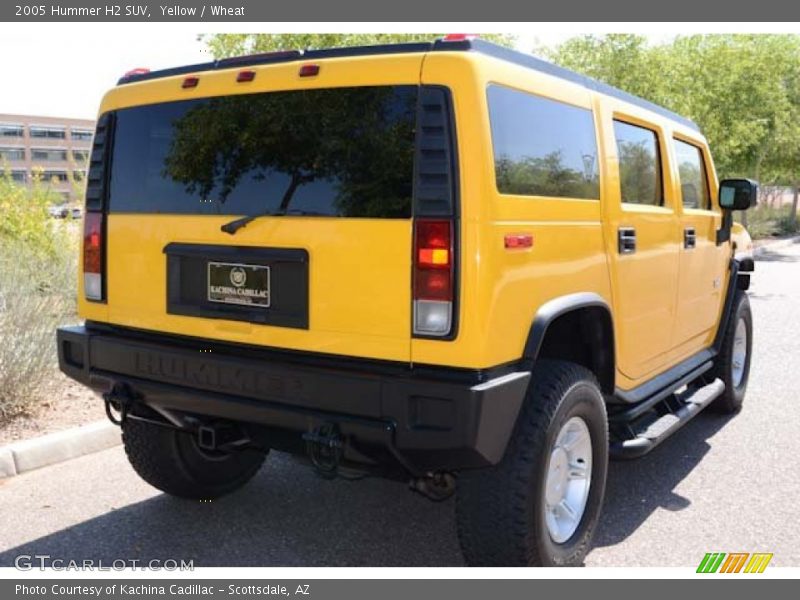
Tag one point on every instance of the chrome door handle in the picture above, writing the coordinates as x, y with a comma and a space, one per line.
689, 238
626, 237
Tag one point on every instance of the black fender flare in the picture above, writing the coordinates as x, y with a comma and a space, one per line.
557, 307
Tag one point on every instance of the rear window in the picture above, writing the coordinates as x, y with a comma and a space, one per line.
542, 147
346, 152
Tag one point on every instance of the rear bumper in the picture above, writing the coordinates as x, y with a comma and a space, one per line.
433, 422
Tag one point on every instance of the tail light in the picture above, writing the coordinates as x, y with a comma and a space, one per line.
433, 277
93, 256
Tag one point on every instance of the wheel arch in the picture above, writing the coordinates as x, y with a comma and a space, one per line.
578, 328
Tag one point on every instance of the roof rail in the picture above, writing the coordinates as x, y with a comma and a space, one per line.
441, 45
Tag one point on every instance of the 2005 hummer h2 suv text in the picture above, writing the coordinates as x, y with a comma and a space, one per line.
446, 262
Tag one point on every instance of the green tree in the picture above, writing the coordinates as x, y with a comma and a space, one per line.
224, 45
736, 87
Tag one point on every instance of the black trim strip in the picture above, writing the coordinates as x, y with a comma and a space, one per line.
665, 380
312, 359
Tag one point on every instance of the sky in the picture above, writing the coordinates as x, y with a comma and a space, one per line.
64, 71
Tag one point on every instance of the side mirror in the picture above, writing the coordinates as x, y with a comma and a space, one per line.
737, 194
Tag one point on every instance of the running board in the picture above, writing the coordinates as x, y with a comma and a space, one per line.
650, 435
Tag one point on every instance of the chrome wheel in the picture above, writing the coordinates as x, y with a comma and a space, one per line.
569, 475
739, 354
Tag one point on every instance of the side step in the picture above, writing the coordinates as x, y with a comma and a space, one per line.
644, 437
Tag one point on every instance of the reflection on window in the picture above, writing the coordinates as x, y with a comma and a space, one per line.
12, 131
80, 156
542, 147
639, 164
12, 154
55, 133
59, 176
692, 171
337, 152
19, 176
48, 155
81, 134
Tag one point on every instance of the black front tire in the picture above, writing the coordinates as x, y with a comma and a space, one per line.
171, 461
500, 511
730, 402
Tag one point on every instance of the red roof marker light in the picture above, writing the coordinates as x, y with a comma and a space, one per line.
245, 76
137, 71
459, 37
309, 70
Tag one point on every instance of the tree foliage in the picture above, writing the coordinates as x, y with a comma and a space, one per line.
743, 91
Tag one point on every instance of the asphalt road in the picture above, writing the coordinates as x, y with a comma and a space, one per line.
720, 484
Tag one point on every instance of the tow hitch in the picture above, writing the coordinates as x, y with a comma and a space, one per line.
325, 446
118, 402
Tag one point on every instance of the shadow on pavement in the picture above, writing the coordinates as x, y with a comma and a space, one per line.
774, 256
637, 488
287, 516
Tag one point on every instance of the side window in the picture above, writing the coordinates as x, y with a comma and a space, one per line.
693, 178
639, 164
542, 147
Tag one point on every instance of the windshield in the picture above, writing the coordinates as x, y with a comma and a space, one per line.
346, 152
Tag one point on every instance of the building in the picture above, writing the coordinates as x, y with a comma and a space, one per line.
60, 148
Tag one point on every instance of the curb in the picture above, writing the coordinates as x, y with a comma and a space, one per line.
35, 453
769, 246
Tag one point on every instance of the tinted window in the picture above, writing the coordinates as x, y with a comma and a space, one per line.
11, 131
542, 147
341, 152
692, 171
639, 164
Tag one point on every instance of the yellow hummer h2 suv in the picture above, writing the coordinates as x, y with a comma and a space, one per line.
446, 262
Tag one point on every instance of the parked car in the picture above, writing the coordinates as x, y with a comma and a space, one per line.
58, 211
446, 262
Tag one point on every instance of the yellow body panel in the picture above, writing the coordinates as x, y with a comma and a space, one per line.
665, 302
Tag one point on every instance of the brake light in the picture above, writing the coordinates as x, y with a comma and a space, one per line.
93, 256
433, 277
459, 37
136, 71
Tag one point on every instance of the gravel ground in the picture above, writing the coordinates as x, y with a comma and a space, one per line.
75, 405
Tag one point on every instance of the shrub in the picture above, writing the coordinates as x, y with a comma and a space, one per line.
38, 265
765, 221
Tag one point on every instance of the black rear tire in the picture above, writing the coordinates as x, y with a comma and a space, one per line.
730, 402
171, 461
500, 511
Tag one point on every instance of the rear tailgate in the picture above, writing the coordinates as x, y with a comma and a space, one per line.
332, 273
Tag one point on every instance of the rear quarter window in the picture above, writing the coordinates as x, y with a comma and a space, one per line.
542, 147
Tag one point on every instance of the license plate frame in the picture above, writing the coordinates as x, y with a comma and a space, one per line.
227, 283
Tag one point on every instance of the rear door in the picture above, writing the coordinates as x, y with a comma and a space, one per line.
642, 234
330, 158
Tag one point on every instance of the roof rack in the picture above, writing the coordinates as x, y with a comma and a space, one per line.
464, 44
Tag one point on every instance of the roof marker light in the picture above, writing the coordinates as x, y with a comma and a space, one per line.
459, 37
245, 76
190, 82
137, 71
309, 70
